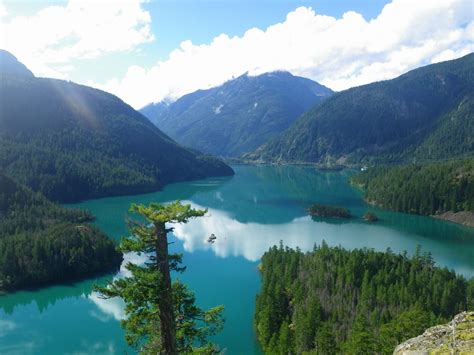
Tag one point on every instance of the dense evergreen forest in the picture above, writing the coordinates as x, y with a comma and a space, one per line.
42, 243
427, 113
334, 301
423, 189
72, 142
317, 210
249, 110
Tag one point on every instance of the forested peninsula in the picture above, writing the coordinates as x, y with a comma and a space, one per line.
442, 189
335, 301
42, 243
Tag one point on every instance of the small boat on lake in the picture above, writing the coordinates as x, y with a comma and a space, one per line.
212, 238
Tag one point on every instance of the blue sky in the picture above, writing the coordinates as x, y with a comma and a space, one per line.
148, 51
174, 21
200, 21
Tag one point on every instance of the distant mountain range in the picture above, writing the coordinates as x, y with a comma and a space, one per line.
73, 142
239, 115
425, 114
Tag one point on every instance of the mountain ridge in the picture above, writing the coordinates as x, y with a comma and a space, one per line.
239, 115
10, 66
393, 120
73, 142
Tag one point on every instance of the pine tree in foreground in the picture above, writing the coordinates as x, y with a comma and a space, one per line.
161, 314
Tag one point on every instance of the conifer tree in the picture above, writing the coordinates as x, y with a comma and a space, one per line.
161, 315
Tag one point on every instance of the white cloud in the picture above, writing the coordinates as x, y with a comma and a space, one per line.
339, 53
3, 11
48, 41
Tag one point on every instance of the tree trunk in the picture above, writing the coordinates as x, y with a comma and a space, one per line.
165, 296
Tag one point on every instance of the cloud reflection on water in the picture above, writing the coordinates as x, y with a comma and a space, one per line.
115, 307
252, 240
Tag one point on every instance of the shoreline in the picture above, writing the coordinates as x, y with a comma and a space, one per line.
465, 218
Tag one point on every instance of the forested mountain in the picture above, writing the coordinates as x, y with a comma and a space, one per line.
427, 113
335, 301
423, 189
239, 115
42, 243
73, 142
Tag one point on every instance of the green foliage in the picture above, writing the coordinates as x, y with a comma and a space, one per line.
405, 325
470, 294
317, 210
42, 243
59, 253
336, 301
174, 212
422, 189
454, 136
361, 340
145, 292
72, 142
22, 210
238, 116
426, 113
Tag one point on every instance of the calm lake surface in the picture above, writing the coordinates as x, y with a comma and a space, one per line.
257, 208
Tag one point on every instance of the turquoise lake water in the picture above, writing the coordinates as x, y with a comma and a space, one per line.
257, 208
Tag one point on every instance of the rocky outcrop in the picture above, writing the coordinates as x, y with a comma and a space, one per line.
456, 337
462, 217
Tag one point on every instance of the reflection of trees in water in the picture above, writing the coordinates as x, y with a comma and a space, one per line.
427, 227
178, 191
46, 297
302, 185
186, 190
278, 194
337, 221
308, 185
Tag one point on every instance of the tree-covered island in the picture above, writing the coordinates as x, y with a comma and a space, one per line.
326, 211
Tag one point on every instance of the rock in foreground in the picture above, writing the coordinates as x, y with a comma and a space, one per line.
456, 337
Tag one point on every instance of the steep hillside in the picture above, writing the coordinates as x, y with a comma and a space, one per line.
73, 142
239, 115
430, 189
22, 210
10, 66
427, 113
